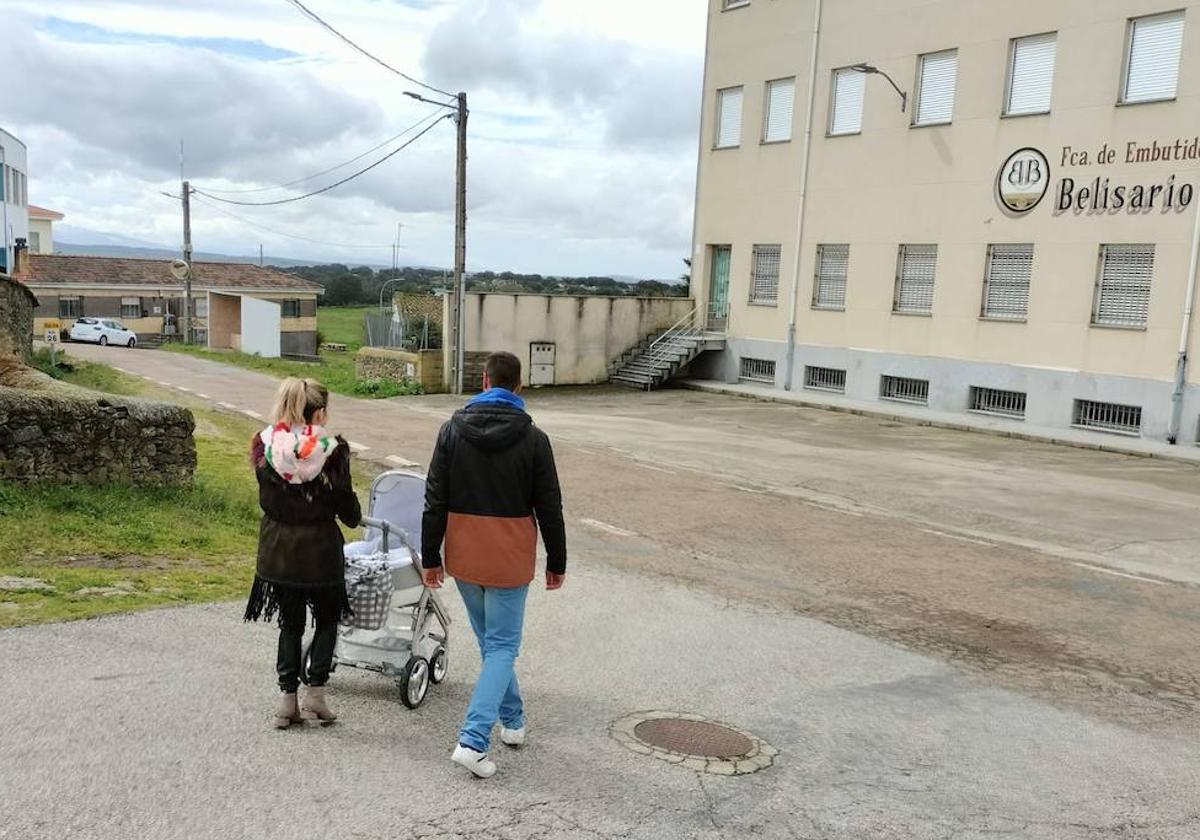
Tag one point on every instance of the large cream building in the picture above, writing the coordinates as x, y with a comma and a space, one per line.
1011, 229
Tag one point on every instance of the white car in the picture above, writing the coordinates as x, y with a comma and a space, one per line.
103, 331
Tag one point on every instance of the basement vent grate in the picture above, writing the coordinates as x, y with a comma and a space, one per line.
825, 379
995, 401
903, 389
757, 370
1108, 417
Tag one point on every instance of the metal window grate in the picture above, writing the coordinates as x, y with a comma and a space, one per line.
995, 401
1006, 285
764, 279
757, 370
903, 389
825, 379
1123, 288
914, 279
829, 288
1108, 417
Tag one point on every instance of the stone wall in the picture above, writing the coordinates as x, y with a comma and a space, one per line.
59, 434
425, 366
16, 319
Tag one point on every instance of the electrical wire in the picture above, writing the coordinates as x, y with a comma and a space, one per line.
316, 175
334, 185
313, 16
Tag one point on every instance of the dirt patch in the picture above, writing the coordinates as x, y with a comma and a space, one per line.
122, 561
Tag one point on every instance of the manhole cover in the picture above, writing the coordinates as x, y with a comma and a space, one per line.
694, 742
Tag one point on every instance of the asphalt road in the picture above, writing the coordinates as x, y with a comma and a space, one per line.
1022, 624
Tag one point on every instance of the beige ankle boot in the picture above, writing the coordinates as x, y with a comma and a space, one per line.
313, 705
286, 711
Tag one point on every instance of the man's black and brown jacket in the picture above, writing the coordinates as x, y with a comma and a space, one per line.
492, 483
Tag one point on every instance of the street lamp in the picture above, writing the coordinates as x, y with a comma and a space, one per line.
870, 69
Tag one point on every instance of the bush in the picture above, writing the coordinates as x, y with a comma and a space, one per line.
383, 388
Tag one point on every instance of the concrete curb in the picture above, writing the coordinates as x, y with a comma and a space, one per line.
1142, 449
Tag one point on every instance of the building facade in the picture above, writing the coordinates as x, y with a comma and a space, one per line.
41, 229
959, 204
227, 310
14, 195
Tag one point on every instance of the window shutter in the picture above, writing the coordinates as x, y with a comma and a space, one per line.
832, 264
1032, 74
1155, 44
849, 87
918, 264
1009, 270
781, 97
939, 75
729, 118
1123, 299
764, 284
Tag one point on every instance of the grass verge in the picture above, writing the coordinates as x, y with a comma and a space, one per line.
83, 552
335, 370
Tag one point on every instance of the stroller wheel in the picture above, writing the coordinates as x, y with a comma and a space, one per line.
414, 682
438, 666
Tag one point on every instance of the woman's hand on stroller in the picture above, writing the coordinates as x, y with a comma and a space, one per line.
434, 578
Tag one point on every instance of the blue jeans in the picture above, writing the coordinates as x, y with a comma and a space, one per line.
497, 617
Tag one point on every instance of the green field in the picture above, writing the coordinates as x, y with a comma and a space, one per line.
96, 551
343, 324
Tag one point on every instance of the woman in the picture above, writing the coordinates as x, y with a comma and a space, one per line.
304, 486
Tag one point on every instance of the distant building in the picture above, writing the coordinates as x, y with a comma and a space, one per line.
14, 196
41, 229
1017, 238
236, 306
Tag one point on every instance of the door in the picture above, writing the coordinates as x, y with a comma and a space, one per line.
718, 287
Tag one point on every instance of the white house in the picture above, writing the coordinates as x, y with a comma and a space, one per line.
14, 195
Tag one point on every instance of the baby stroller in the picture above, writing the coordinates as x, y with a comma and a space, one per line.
393, 629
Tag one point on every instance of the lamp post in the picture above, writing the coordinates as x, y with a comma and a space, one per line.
872, 70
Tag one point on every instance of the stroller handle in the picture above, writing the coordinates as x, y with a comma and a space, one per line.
387, 528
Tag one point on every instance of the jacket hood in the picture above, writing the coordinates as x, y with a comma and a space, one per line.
299, 454
493, 427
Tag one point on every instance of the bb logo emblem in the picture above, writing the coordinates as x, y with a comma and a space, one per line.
1023, 180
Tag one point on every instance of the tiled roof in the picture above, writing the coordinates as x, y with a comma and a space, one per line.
118, 271
36, 212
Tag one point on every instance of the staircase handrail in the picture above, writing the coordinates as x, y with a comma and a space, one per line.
654, 353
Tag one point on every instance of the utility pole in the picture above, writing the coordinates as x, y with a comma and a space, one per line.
260, 255
460, 246
187, 258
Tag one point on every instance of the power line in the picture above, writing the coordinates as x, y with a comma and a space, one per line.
309, 13
316, 175
334, 185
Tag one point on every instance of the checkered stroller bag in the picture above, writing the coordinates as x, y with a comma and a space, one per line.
369, 590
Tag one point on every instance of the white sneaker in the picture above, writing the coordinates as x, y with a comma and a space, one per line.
513, 737
478, 763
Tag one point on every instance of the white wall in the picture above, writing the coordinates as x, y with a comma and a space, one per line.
14, 218
260, 327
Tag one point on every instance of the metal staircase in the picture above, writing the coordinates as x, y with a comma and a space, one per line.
653, 362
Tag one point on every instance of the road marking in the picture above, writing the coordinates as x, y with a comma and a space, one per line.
608, 529
253, 414
655, 469
185, 390
753, 490
1115, 573
160, 382
229, 406
121, 369
203, 396
357, 447
957, 537
401, 462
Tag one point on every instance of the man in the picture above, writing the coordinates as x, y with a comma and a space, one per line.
491, 484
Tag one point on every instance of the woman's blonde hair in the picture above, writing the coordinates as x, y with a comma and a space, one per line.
297, 400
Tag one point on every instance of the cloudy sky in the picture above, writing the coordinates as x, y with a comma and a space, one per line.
582, 130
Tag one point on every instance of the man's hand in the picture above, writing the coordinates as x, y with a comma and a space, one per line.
434, 578
554, 581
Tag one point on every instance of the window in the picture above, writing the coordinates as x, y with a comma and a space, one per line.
829, 285
200, 307
936, 79
131, 307
291, 308
903, 389
846, 104
1108, 417
916, 266
24, 202
729, 118
777, 125
70, 307
764, 280
995, 401
825, 379
1152, 58
1031, 74
1006, 282
757, 370
35, 242
1123, 287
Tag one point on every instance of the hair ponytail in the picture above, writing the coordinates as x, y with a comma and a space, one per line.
297, 400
